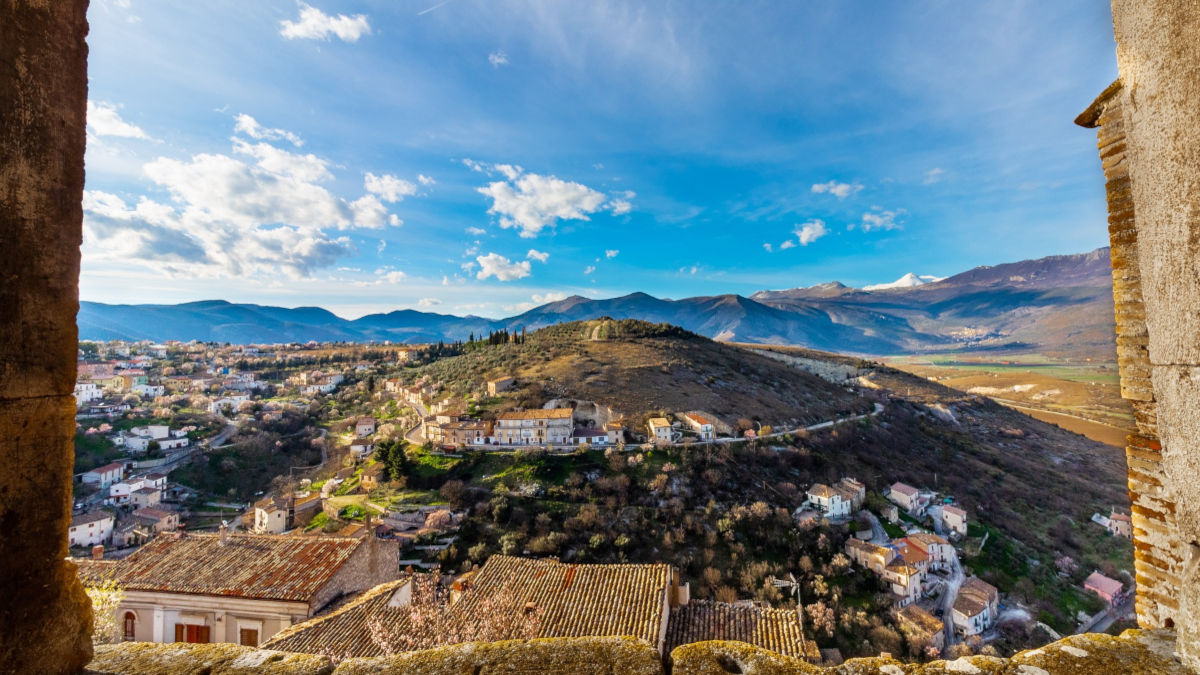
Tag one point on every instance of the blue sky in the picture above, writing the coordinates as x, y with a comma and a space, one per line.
483, 157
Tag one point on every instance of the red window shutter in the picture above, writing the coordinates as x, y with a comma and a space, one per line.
202, 635
179, 636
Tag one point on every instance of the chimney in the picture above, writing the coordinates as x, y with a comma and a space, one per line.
224, 531
98, 552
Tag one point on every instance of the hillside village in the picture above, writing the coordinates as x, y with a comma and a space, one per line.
189, 452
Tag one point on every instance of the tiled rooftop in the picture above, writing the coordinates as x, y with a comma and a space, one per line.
248, 566
779, 630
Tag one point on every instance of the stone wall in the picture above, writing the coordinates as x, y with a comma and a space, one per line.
45, 618
1157, 553
1133, 653
1150, 150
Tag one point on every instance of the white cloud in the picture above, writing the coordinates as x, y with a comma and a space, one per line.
611, 253
307, 168
933, 175
258, 212
496, 265
879, 219
389, 187
621, 204
787, 244
531, 202
768, 248
810, 232
477, 231
839, 190
383, 277
245, 124
536, 300
498, 59
425, 180
589, 269
104, 120
471, 164
428, 302
313, 24
394, 220
382, 245
540, 256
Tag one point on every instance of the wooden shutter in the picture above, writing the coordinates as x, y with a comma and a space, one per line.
202, 635
179, 636
248, 637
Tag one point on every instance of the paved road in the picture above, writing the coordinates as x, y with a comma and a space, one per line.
1101, 621
879, 535
948, 597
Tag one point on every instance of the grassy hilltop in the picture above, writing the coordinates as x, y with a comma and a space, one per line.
639, 368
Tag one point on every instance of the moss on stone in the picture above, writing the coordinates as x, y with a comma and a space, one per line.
576, 656
211, 659
1135, 652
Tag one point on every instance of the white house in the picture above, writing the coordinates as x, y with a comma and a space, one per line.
233, 401
149, 390
86, 392
832, 502
104, 476
365, 426
91, 528
361, 447
700, 424
976, 608
119, 492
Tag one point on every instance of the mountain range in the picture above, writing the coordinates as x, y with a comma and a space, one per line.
1057, 305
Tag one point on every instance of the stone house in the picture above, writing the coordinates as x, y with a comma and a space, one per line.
238, 588
1120, 525
535, 427
955, 520
661, 432
1107, 588
498, 385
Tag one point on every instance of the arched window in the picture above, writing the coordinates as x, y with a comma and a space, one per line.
130, 626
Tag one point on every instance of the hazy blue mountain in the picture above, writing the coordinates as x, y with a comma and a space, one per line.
1056, 304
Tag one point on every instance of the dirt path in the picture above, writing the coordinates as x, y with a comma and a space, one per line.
1097, 431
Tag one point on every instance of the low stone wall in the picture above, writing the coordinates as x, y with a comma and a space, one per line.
1135, 652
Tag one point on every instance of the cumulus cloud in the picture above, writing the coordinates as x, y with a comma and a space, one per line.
259, 211
880, 219
589, 269
477, 231
531, 202
428, 302
611, 253
383, 277
787, 244
498, 59
768, 248
810, 232
105, 120
540, 256
425, 180
496, 265
388, 187
245, 124
839, 190
313, 24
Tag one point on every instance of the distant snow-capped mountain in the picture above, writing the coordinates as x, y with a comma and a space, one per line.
907, 281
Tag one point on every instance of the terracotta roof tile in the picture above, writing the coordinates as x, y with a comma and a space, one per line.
248, 566
779, 630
